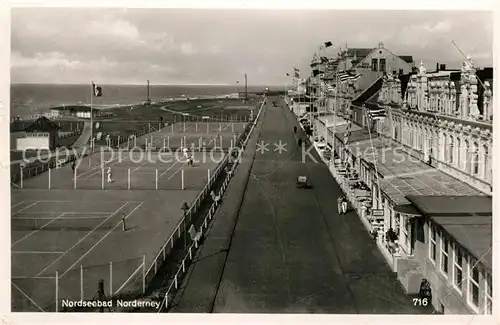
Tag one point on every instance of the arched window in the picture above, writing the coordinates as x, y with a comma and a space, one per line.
446, 147
467, 156
486, 163
475, 159
459, 152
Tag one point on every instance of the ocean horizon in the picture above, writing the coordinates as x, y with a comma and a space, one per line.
34, 98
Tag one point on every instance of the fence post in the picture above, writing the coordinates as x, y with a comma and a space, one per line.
190, 254
208, 126
128, 178
220, 127
102, 178
232, 127
156, 179
164, 142
57, 291
168, 142
81, 282
22, 176
208, 177
144, 274
110, 279
74, 179
49, 178
172, 127
183, 265
182, 179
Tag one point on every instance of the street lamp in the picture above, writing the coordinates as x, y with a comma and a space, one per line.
185, 208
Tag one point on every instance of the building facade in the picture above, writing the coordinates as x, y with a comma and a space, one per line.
435, 142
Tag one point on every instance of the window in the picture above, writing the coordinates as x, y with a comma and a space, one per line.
432, 243
457, 267
475, 159
486, 163
374, 65
451, 150
382, 65
473, 292
444, 254
446, 148
488, 301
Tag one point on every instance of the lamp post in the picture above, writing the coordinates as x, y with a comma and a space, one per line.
185, 208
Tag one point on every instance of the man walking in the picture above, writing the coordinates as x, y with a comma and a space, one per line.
344, 205
109, 175
339, 204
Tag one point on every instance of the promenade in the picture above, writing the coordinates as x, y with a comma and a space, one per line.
284, 249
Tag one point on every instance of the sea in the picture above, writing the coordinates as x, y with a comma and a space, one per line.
28, 99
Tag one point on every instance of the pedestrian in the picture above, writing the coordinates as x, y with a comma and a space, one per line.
339, 204
185, 150
109, 175
344, 205
73, 166
300, 142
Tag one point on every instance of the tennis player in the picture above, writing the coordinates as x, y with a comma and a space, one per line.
109, 175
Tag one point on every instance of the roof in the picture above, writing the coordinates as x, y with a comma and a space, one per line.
407, 58
360, 52
402, 176
456, 204
73, 108
360, 134
43, 124
468, 219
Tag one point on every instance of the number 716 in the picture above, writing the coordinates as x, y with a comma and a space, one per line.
420, 302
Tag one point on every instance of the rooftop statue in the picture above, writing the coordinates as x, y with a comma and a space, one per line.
422, 69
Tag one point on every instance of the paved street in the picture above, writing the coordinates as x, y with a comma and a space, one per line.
291, 252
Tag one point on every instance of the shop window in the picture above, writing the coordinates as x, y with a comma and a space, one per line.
457, 267
473, 292
444, 254
488, 301
432, 243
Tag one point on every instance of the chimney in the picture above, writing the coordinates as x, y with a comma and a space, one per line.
437, 67
442, 67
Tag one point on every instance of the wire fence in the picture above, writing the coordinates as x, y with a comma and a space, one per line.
127, 278
61, 292
191, 250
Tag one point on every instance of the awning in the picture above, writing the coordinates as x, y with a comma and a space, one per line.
407, 209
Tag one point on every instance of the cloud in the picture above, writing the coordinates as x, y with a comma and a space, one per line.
219, 46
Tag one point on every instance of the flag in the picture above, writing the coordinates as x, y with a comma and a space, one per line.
343, 76
376, 113
328, 44
97, 90
354, 77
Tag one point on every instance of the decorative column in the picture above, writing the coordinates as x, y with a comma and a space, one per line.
487, 101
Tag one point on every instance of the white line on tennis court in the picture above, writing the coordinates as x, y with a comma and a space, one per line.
15, 205
67, 212
34, 231
168, 169
81, 239
26, 295
118, 224
35, 252
26, 207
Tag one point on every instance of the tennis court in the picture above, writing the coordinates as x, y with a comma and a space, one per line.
64, 242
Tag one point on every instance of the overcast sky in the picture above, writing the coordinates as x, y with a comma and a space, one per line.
181, 46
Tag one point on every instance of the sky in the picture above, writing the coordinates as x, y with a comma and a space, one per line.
217, 46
